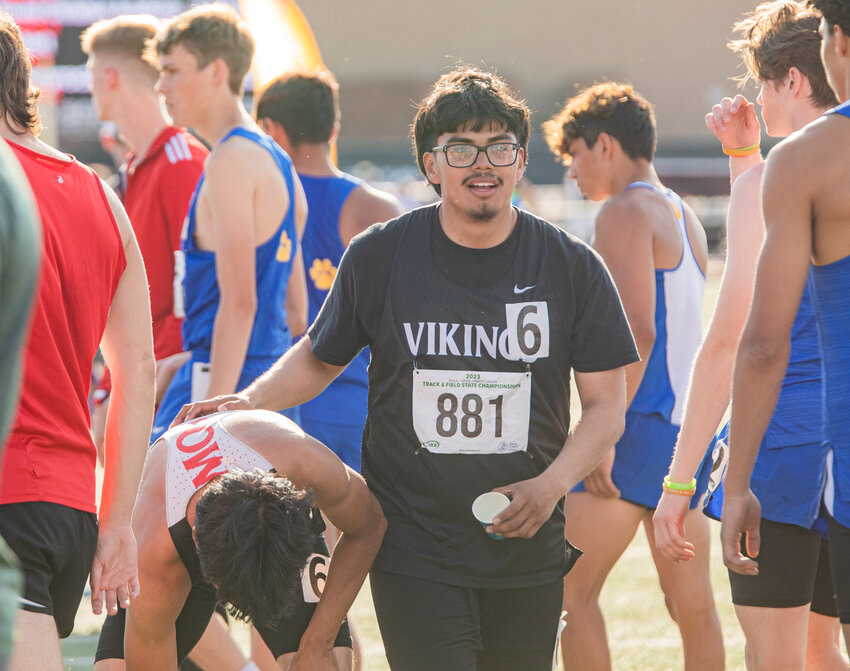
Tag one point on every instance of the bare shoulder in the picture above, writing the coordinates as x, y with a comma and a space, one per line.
375, 204
808, 155
629, 214
238, 159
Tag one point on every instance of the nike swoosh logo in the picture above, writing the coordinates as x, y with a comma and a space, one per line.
517, 290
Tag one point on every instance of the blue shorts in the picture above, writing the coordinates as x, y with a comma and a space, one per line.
344, 439
180, 393
643, 457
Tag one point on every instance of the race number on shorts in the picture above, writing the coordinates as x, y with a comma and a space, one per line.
471, 412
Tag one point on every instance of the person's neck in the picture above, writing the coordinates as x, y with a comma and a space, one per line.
463, 231
314, 160
30, 141
140, 121
632, 171
804, 115
221, 118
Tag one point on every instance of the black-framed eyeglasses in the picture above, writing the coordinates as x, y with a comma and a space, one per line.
500, 154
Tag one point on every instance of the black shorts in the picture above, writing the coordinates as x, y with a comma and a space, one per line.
839, 557
788, 565
55, 545
823, 599
195, 616
429, 625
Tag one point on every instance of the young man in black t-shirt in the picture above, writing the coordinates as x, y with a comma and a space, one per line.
476, 313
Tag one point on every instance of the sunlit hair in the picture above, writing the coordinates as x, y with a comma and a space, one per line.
209, 32
610, 107
18, 99
777, 36
124, 37
836, 12
467, 99
305, 103
254, 531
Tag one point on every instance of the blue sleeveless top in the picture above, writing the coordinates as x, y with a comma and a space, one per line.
788, 482
678, 326
270, 336
832, 307
344, 400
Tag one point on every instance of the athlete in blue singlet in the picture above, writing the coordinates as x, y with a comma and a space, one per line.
787, 612
300, 110
238, 276
656, 250
197, 293
806, 210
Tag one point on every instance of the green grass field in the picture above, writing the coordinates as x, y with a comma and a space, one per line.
641, 634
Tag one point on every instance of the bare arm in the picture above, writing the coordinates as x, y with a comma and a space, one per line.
710, 386
346, 500
603, 407
627, 249
765, 343
128, 348
296, 288
229, 189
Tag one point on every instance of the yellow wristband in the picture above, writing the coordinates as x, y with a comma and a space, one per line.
742, 151
680, 486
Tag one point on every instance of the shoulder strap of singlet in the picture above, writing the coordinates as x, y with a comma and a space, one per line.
678, 206
843, 109
281, 159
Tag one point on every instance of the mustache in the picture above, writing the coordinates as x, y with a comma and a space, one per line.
476, 178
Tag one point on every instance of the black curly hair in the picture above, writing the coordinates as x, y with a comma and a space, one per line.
255, 531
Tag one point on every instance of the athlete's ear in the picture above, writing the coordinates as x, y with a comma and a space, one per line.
220, 72
334, 133
606, 144
521, 164
112, 77
841, 40
794, 80
276, 132
430, 162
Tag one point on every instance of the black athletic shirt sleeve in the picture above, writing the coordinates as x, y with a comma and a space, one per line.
601, 338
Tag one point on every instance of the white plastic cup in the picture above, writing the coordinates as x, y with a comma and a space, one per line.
487, 506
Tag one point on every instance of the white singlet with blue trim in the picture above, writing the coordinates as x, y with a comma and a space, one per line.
678, 325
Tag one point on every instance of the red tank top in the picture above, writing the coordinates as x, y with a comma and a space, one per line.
50, 455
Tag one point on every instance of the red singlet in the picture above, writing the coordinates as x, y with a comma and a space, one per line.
50, 455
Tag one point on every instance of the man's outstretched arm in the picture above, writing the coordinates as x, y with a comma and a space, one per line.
128, 348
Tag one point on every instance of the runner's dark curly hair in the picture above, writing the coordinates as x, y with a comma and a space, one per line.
254, 531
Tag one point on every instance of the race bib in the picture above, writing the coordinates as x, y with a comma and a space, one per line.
465, 412
313, 577
200, 381
177, 286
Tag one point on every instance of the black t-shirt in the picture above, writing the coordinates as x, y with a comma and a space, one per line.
468, 385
